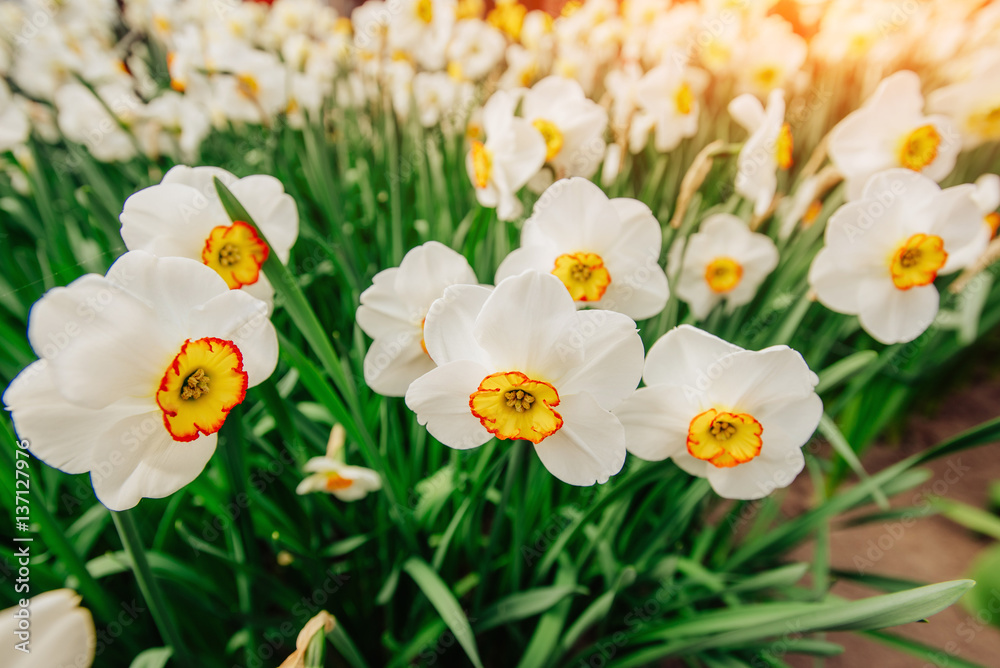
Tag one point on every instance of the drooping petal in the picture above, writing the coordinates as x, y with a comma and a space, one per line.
136, 458
757, 478
897, 316
590, 446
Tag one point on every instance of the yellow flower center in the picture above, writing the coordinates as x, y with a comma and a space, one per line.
783, 147
205, 381
766, 77
482, 164
919, 148
723, 274
684, 99
342, 26
917, 261
336, 482
583, 274
247, 85
508, 16
986, 123
455, 70
425, 10
724, 439
511, 405
552, 136
236, 253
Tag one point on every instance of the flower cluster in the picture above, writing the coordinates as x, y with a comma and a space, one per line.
552, 355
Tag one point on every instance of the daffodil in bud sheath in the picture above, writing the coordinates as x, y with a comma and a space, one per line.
891, 130
139, 369
884, 250
521, 362
605, 251
183, 217
734, 416
393, 313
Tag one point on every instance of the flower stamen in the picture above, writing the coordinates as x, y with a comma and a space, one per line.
583, 274
919, 148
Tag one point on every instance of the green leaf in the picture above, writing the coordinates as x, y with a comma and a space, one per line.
932, 655
524, 604
833, 435
751, 624
972, 518
440, 596
156, 657
838, 372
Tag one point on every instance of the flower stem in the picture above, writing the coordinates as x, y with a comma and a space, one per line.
132, 543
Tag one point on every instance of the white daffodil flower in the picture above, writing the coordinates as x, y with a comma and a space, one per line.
476, 48
139, 369
182, 216
768, 148
667, 98
605, 251
724, 260
512, 154
85, 120
572, 125
986, 196
973, 104
523, 363
331, 475
393, 311
423, 29
884, 250
55, 631
772, 57
890, 130
737, 417
250, 85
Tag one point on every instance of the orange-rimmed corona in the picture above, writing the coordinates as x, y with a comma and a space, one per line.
919, 148
724, 439
236, 253
203, 383
583, 274
723, 274
510, 405
917, 261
